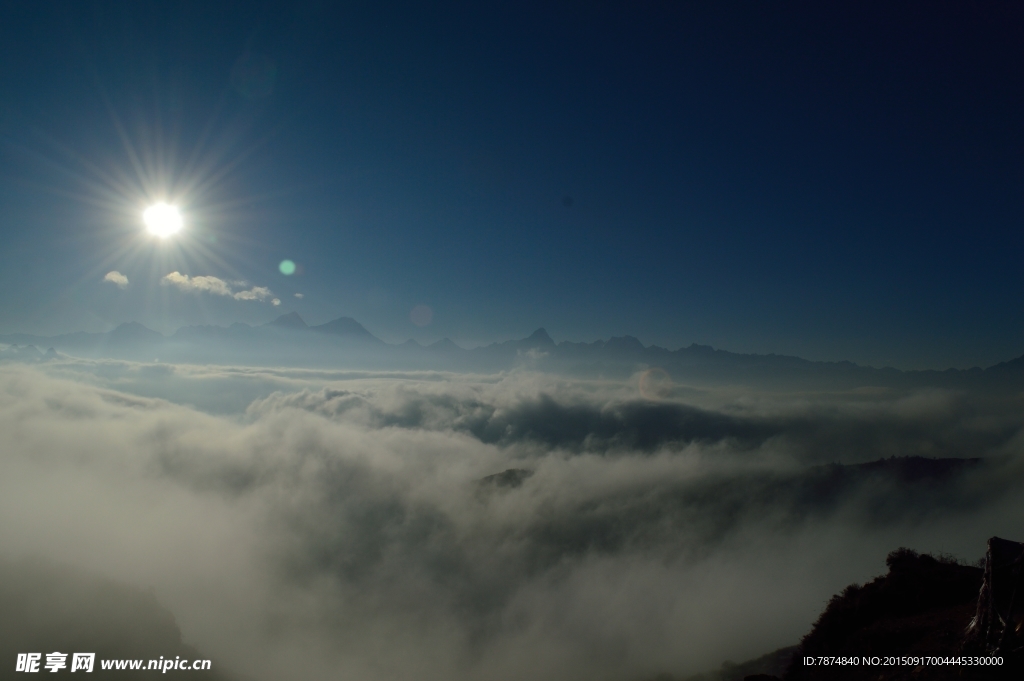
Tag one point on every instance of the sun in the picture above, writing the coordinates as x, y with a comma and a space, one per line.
162, 220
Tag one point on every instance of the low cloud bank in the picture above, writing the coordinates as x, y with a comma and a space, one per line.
335, 525
217, 287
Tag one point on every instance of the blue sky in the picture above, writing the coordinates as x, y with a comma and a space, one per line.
762, 177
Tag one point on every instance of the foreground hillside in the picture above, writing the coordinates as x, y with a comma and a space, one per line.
922, 607
925, 608
46, 607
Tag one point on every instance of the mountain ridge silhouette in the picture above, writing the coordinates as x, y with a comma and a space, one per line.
291, 340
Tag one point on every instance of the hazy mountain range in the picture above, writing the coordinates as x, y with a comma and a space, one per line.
344, 342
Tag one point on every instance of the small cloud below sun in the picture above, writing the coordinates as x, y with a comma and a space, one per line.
117, 279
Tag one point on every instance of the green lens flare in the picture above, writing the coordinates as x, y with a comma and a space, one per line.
287, 267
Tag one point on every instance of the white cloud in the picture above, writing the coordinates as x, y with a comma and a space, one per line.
216, 286
117, 279
255, 293
275, 302
299, 295
194, 284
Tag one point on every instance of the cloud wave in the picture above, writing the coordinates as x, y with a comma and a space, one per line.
330, 520
217, 286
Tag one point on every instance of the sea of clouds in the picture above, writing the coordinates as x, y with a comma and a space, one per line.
318, 524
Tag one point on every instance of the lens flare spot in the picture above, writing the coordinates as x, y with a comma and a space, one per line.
162, 220
655, 384
287, 267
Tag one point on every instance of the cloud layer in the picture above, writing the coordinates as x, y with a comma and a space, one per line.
336, 523
217, 287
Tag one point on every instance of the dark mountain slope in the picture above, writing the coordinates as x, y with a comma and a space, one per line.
922, 607
46, 607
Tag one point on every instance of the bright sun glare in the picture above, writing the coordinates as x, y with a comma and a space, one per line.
162, 220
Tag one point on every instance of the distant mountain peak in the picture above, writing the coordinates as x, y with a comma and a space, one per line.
444, 344
133, 331
128, 327
292, 320
628, 343
344, 326
540, 337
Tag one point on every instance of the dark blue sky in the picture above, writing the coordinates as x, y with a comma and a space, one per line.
837, 183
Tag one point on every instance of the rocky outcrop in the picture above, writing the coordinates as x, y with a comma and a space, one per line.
998, 625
